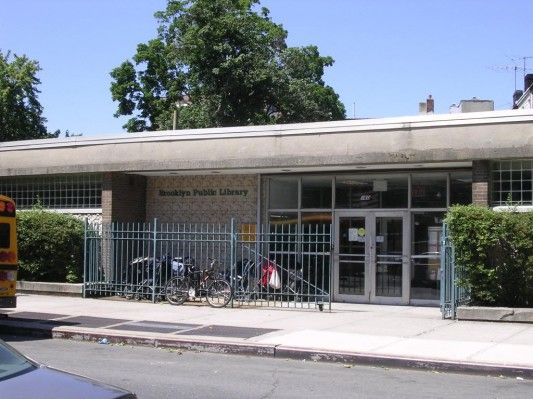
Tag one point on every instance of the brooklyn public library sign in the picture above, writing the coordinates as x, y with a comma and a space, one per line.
204, 192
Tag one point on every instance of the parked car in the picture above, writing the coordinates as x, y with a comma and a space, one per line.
22, 378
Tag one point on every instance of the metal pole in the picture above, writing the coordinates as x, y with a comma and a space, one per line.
443, 271
331, 262
233, 246
84, 257
153, 260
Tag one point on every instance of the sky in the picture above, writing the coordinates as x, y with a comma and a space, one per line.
389, 54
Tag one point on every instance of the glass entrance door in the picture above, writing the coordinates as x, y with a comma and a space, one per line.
352, 262
371, 259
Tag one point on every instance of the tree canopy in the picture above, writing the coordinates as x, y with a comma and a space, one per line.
221, 63
20, 111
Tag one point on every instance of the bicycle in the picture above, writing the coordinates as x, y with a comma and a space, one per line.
199, 283
147, 274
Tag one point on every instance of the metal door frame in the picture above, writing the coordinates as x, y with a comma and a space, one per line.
370, 259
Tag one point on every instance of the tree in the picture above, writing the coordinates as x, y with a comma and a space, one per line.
221, 63
20, 111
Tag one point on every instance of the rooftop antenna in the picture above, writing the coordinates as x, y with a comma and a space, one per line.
524, 63
514, 67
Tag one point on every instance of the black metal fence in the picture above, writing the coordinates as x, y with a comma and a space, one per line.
275, 265
452, 294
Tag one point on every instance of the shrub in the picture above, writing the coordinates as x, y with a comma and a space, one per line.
495, 250
50, 246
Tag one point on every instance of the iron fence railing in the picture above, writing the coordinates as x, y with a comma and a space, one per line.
452, 293
135, 260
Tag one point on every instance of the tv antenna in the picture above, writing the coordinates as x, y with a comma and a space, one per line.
514, 67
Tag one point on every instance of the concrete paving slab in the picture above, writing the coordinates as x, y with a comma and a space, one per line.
467, 331
524, 337
329, 341
394, 326
505, 354
433, 349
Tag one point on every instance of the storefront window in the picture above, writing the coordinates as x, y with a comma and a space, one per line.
371, 192
460, 188
425, 257
428, 191
316, 192
512, 183
283, 193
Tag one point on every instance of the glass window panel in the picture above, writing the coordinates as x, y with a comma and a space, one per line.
283, 193
352, 255
5, 241
371, 192
316, 230
428, 191
426, 233
389, 251
425, 259
316, 218
512, 187
316, 192
460, 188
52, 192
283, 231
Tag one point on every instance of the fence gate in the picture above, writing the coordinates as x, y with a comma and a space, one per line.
452, 294
135, 260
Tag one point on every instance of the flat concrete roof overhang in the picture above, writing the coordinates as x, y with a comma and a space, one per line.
385, 143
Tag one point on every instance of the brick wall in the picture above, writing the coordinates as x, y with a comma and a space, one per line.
481, 183
123, 198
202, 199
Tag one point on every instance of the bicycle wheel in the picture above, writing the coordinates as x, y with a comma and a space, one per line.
218, 293
177, 290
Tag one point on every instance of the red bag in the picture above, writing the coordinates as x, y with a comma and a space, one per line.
267, 268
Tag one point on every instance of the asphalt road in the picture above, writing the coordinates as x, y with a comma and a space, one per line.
162, 373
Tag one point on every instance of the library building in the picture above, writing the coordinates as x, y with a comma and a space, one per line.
379, 187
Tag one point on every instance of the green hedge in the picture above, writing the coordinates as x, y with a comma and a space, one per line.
496, 251
50, 246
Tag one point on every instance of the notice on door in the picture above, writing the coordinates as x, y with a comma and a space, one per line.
356, 234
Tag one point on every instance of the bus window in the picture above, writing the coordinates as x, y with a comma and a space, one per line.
4, 235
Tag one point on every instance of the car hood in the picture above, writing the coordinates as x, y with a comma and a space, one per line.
47, 383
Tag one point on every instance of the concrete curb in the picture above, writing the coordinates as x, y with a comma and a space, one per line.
43, 288
481, 313
362, 359
265, 350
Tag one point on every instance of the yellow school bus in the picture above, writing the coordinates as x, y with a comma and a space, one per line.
8, 253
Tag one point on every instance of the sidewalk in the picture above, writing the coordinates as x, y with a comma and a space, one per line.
402, 336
